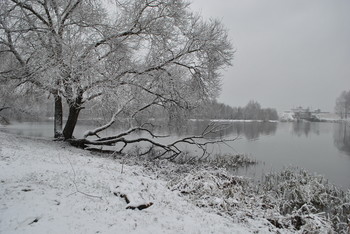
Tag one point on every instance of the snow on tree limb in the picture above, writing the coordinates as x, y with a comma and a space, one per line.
168, 151
153, 50
103, 127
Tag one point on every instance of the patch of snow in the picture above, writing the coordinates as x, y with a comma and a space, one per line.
50, 187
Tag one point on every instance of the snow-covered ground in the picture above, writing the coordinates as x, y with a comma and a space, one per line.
50, 187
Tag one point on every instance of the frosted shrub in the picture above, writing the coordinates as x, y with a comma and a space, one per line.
231, 161
298, 193
216, 189
289, 200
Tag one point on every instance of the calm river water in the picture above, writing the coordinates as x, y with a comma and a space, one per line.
322, 148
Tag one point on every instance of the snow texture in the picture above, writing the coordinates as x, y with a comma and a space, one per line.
50, 187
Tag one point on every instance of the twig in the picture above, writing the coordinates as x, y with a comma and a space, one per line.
76, 186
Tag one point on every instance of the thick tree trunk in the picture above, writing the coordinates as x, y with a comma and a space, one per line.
73, 115
58, 115
74, 110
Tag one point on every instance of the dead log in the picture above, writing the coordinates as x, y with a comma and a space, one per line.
140, 207
122, 196
133, 207
167, 151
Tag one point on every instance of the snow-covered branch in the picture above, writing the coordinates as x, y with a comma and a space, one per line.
103, 127
161, 150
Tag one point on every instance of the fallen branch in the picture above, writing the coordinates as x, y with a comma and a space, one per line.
103, 127
161, 150
168, 151
140, 207
132, 207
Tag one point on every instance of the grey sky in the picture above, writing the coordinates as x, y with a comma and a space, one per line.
289, 53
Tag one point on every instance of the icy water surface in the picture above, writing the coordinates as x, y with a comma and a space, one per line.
322, 148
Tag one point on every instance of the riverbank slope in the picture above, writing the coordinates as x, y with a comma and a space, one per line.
50, 187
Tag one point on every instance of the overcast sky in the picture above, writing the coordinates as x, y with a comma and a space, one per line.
288, 53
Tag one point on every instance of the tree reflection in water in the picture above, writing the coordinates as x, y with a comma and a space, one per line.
248, 130
304, 128
342, 137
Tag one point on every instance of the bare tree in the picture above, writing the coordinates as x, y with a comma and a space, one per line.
252, 110
342, 106
139, 55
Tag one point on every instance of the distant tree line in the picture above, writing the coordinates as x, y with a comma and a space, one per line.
251, 111
24, 106
40, 107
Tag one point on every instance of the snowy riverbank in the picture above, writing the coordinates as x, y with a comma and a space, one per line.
51, 187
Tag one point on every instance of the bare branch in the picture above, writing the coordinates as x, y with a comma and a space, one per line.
4, 108
29, 8
100, 129
169, 151
68, 11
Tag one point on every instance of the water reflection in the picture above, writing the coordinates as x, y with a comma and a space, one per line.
255, 129
341, 137
304, 128
248, 130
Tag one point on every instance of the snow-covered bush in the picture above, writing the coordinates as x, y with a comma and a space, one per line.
299, 193
218, 190
242, 200
230, 161
210, 188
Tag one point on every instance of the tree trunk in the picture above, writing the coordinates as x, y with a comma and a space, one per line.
74, 110
58, 115
71, 121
